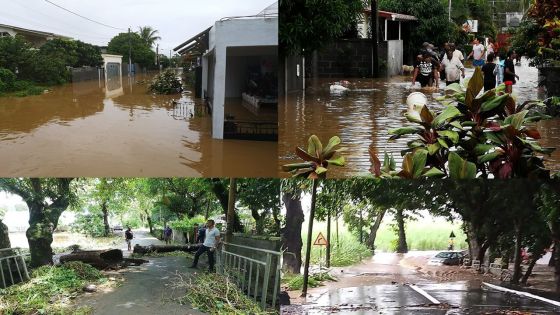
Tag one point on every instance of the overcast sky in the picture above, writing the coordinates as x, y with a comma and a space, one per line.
176, 20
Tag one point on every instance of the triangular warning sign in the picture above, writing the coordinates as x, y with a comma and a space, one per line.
320, 240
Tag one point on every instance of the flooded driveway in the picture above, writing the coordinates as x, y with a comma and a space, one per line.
85, 129
363, 117
454, 298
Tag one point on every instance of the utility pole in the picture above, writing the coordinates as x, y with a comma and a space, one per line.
129, 53
374, 38
449, 11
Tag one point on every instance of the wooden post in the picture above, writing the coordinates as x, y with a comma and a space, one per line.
309, 236
231, 209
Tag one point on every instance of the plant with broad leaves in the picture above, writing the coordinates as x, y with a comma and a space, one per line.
317, 159
476, 134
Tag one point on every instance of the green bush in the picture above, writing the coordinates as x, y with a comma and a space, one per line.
7, 79
347, 252
165, 83
49, 290
186, 224
89, 224
295, 282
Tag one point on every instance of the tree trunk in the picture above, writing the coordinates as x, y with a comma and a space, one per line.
138, 249
309, 236
402, 247
374, 228
291, 233
99, 259
221, 194
105, 218
517, 256
328, 253
374, 37
529, 271
315, 70
551, 260
259, 221
4, 236
557, 263
150, 224
361, 225
231, 209
42, 223
475, 242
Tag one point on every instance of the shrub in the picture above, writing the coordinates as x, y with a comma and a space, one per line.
165, 83
7, 79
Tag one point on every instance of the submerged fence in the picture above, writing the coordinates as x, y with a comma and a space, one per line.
12, 260
257, 278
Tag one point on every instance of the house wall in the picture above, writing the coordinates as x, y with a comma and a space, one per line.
347, 58
235, 33
35, 40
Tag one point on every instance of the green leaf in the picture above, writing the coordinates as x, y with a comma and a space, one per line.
447, 114
489, 157
476, 83
516, 120
314, 146
434, 172
494, 137
419, 158
413, 116
460, 168
493, 103
451, 135
433, 148
455, 88
339, 161
320, 170
456, 124
481, 148
405, 130
442, 143
333, 142
295, 166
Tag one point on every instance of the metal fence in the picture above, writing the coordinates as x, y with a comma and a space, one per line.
14, 261
252, 276
251, 130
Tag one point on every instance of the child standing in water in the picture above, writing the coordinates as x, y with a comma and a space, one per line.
509, 71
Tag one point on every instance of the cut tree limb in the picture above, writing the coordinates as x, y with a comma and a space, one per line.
100, 259
189, 248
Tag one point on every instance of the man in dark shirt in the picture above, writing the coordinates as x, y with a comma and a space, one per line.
425, 70
509, 71
489, 70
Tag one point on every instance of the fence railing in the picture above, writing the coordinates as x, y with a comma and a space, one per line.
252, 276
14, 260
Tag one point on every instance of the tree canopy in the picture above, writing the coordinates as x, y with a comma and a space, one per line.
141, 52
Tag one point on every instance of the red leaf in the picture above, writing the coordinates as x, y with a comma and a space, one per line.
505, 171
533, 133
494, 126
375, 163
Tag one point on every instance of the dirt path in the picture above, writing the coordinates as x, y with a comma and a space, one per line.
145, 289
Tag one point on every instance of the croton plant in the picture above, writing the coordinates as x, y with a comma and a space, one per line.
317, 159
475, 135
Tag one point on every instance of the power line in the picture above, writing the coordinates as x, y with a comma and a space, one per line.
83, 17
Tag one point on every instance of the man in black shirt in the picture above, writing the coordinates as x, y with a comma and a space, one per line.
509, 71
489, 70
425, 70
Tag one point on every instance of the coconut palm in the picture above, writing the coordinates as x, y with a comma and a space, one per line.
148, 35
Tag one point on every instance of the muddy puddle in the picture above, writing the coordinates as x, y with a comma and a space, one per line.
363, 116
87, 129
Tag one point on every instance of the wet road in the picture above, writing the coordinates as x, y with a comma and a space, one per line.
85, 129
363, 117
460, 297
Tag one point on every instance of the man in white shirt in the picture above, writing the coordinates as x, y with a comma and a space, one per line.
453, 67
211, 239
477, 53
456, 53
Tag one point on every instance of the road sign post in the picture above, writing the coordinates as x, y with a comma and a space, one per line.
320, 241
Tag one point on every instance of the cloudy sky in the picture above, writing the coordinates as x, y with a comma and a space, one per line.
176, 20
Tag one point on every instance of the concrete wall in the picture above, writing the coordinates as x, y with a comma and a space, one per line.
235, 33
348, 58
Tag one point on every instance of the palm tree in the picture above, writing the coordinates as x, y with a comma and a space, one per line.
148, 35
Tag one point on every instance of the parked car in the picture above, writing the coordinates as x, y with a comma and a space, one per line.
449, 258
117, 228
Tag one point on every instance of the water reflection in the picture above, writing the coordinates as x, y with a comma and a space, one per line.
363, 117
118, 129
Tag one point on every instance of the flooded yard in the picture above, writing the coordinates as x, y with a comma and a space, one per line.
85, 129
363, 116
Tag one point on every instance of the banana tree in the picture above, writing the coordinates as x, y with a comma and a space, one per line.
317, 161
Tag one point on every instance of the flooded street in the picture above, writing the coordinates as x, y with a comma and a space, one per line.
84, 129
363, 116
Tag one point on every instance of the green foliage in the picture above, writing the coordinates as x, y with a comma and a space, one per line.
166, 82
7, 80
348, 251
217, 294
187, 224
141, 51
310, 25
474, 135
433, 24
88, 55
148, 35
15, 54
295, 282
317, 159
49, 290
89, 224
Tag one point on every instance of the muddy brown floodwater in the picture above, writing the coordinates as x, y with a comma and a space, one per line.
83, 129
363, 117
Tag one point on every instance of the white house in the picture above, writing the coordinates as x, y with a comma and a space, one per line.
36, 38
235, 51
